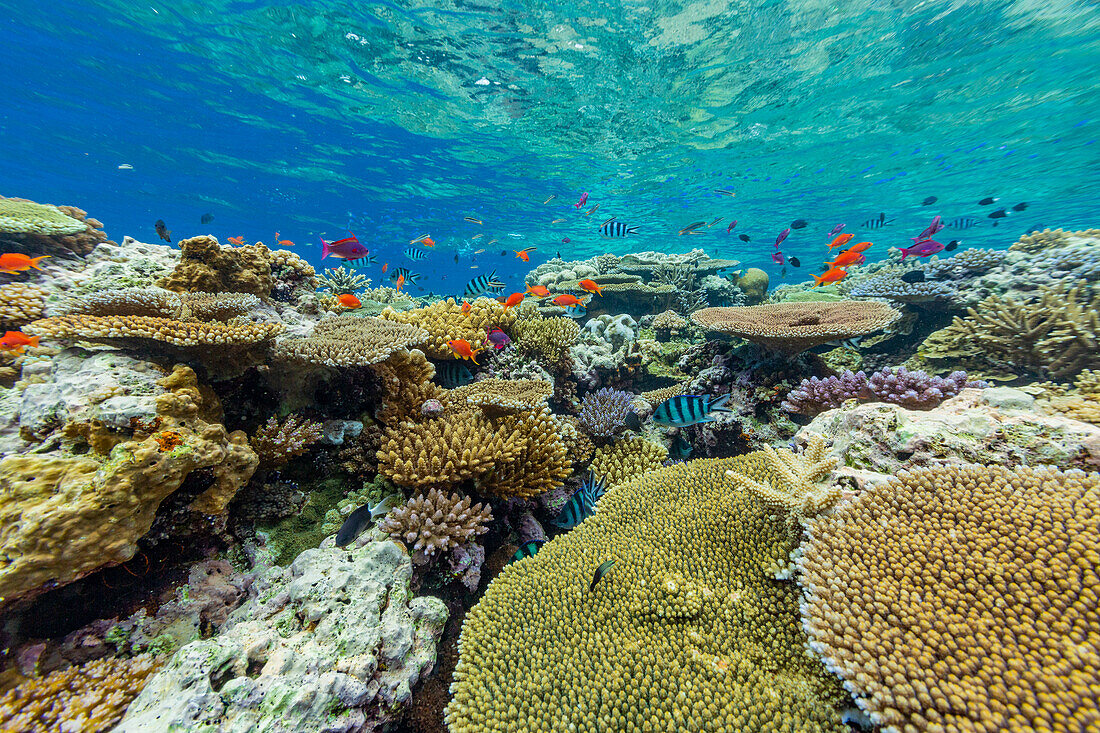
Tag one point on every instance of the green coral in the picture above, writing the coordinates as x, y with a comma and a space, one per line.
289, 537
27, 217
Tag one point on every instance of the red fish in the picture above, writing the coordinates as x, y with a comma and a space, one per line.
464, 350
236, 240
466, 306
427, 242
14, 262
777, 258
15, 341
538, 291
385, 267
566, 299
347, 248
400, 281
841, 240
832, 275
513, 300
848, 257
348, 300
283, 242
731, 226
591, 286
522, 255
859, 247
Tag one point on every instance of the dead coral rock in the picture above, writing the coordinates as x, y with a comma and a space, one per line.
209, 267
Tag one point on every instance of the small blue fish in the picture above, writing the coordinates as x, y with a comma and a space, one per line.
689, 409
359, 519
527, 549
415, 254
582, 504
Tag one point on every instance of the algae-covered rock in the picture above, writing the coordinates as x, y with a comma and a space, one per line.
335, 642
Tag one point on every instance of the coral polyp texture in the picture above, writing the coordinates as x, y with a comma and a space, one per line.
627, 459
790, 328
687, 630
20, 304
497, 397
186, 334
444, 321
350, 341
962, 598
916, 390
19, 216
435, 522
603, 412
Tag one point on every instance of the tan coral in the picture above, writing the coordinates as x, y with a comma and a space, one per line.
20, 303
496, 397
209, 267
350, 341
88, 698
186, 334
444, 321
689, 630
790, 328
790, 482
546, 338
962, 599
627, 459
158, 302
406, 377
1048, 238
276, 443
436, 523
65, 516
668, 324
656, 396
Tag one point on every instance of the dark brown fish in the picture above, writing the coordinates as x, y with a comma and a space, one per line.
162, 230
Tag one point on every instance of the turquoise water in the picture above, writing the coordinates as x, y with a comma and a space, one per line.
403, 118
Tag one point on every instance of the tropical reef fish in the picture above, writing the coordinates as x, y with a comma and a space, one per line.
16, 341
777, 258
998, 214
583, 200
731, 226
453, 374
617, 229
498, 338
347, 248
987, 201
601, 571
13, 262
924, 248
472, 220
416, 255
361, 518
963, 222
689, 409
835, 230
799, 224
423, 239
715, 221
930, 230
954, 243
591, 286
576, 311
348, 300
929, 201
363, 261
523, 253
743, 237
552, 197
582, 504
847, 257
1022, 206
526, 550
878, 223
162, 230
206, 218
538, 291
724, 192
405, 274
782, 235
482, 284
513, 300
592, 211
841, 240
464, 350
794, 262
558, 221
832, 275
567, 299
283, 242
239, 241
689, 229
913, 276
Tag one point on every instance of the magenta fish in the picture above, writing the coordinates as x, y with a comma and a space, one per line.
930, 230
498, 338
583, 201
731, 226
347, 248
836, 230
566, 240
925, 248
782, 235
777, 258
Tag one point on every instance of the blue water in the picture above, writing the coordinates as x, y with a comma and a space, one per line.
305, 118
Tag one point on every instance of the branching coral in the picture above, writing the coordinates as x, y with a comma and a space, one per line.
407, 380
158, 302
89, 698
445, 321
669, 324
790, 482
496, 397
339, 280
350, 341
962, 598
276, 443
185, 334
20, 303
915, 390
688, 630
436, 522
209, 267
603, 412
627, 459
545, 338
789, 328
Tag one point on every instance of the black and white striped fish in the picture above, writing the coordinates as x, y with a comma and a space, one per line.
878, 223
363, 261
483, 284
617, 229
689, 409
410, 277
453, 374
415, 254
582, 504
963, 222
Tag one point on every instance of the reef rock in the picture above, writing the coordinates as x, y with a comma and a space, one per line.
874, 441
335, 642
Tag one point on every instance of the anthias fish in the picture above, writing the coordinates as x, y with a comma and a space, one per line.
924, 248
348, 300
538, 291
835, 230
782, 236
16, 341
13, 262
591, 286
347, 248
930, 230
690, 409
832, 275
841, 240
583, 200
463, 349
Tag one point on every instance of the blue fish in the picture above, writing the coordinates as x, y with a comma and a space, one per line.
482, 284
576, 311
582, 504
453, 374
527, 549
415, 254
689, 409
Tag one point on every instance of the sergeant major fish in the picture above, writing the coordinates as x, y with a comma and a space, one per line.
689, 409
617, 229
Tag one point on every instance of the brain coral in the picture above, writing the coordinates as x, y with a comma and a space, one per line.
963, 599
688, 631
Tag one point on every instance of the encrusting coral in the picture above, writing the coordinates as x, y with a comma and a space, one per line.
209, 267
87, 699
435, 523
790, 328
276, 443
688, 630
444, 321
627, 459
20, 303
962, 598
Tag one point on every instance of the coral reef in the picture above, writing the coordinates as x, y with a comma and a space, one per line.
276, 443
209, 267
498, 397
627, 459
435, 522
688, 629
20, 216
792, 483
753, 283
547, 339
896, 289
20, 304
444, 321
915, 390
334, 642
340, 280
669, 324
603, 412
342, 341
990, 630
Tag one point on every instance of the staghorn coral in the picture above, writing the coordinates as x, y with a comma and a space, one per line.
276, 443
1082, 402
579, 447
343, 341
20, 303
687, 631
444, 321
896, 289
627, 459
603, 412
657, 396
915, 390
790, 328
436, 522
790, 482
183, 334
496, 397
89, 698
966, 599
209, 267
340, 280
545, 338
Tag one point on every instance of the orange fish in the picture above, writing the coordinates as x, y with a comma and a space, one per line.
13, 262
513, 300
427, 242
859, 247
841, 240
385, 267
283, 242
14, 341
539, 291
466, 306
463, 350
348, 300
565, 300
832, 275
236, 240
522, 255
591, 286
848, 257
400, 281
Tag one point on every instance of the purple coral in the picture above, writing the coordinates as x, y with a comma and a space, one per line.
915, 390
603, 412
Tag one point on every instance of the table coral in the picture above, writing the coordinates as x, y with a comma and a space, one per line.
689, 630
184, 334
20, 216
962, 598
209, 267
497, 397
343, 341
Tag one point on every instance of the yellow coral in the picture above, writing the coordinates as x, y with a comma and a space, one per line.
687, 631
790, 482
548, 338
19, 216
497, 397
20, 303
187, 334
407, 381
627, 459
444, 321
209, 267
962, 599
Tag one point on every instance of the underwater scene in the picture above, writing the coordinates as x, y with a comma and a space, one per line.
458, 366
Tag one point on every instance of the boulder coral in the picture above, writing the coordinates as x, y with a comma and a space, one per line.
210, 267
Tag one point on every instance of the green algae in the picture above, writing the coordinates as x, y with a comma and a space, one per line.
291, 536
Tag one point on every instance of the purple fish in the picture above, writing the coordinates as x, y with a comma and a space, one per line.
498, 338
731, 226
930, 230
782, 235
777, 258
836, 230
583, 201
925, 248
347, 248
